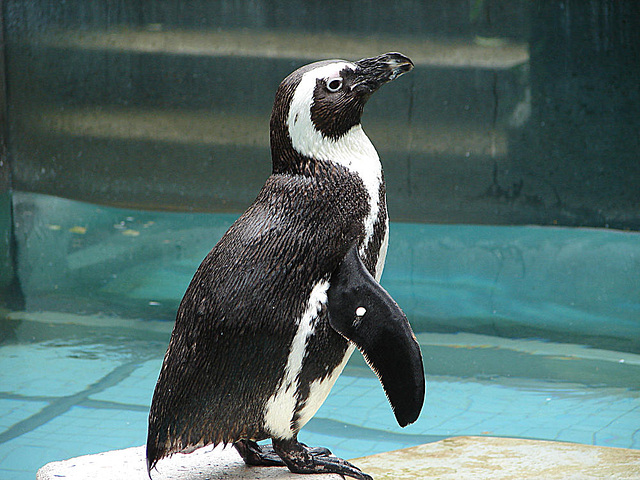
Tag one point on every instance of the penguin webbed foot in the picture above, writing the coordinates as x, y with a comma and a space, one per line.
301, 459
297, 457
258, 455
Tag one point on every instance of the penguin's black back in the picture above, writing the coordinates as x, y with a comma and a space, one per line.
237, 320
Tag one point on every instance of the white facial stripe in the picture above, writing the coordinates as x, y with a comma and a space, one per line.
304, 136
353, 150
281, 406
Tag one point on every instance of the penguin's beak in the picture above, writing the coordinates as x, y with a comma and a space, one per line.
374, 72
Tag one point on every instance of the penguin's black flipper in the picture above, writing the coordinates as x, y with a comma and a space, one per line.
364, 313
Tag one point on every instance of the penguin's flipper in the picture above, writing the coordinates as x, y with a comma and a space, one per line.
364, 313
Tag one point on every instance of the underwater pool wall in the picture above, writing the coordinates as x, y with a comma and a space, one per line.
564, 284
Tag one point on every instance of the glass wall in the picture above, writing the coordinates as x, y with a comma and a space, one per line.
517, 112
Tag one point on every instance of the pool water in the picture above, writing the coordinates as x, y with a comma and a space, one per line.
526, 332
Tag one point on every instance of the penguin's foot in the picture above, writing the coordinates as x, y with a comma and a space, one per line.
264, 455
258, 455
302, 459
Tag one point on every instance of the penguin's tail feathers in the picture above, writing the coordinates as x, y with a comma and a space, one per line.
153, 455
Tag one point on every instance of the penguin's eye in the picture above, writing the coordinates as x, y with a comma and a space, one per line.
334, 85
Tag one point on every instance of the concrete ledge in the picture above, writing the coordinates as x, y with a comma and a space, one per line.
490, 458
130, 464
451, 459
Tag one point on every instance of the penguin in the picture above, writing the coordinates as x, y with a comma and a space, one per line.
279, 304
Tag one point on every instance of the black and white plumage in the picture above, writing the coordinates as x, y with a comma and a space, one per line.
276, 308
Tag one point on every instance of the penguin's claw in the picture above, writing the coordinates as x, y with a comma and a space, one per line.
317, 451
301, 459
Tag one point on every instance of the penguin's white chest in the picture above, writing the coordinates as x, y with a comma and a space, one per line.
320, 388
281, 407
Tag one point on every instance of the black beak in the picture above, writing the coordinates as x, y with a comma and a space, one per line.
374, 72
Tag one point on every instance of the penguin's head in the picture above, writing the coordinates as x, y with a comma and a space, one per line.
318, 105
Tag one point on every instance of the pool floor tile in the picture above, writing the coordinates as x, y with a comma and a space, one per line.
136, 389
525, 413
468, 407
116, 417
79, 431
13, 411
50, 370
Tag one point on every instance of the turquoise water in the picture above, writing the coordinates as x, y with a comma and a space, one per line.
527, 332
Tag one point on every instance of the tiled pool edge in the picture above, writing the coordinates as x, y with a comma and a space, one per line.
453, 458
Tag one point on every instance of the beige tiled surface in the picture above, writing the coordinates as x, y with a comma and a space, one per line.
494, 458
